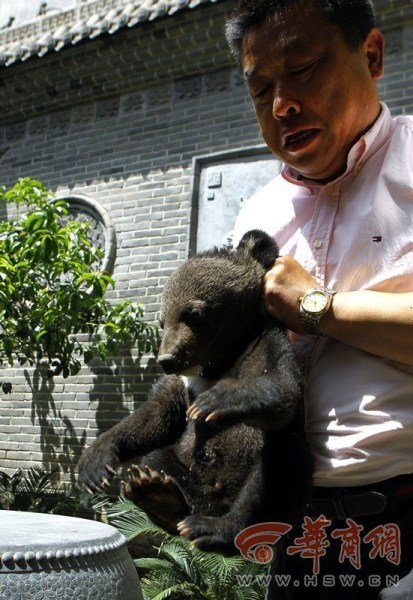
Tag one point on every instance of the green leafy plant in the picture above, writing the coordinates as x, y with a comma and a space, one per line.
50, 289
179, 570
37, 490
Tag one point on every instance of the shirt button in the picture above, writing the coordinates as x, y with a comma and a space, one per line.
317, 243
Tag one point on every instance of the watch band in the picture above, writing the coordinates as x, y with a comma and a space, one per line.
311, 321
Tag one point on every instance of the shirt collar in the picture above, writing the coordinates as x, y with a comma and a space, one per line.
362, 150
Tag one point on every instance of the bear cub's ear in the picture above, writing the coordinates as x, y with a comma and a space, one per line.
261, 246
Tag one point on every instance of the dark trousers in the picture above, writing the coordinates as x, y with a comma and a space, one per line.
292, 575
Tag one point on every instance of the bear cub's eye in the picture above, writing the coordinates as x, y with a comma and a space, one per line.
191, 316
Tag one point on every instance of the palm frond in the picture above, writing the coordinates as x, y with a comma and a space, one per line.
161, 579
6, 491
131, 528
179, 552
95, 502
10, 483
131, 520
152, 563
37, 480
121, 506
150, 588
186, 589
222, 567
247, 594
4, 480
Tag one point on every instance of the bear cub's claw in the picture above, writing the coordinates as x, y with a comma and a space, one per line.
157, 494
194, 413
215, 404
208, 533
139, 478
195, 526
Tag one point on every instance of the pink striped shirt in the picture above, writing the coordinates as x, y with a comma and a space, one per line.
351, 234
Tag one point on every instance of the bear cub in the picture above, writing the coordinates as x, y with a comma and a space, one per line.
219, 443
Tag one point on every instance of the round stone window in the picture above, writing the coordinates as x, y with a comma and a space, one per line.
101, 232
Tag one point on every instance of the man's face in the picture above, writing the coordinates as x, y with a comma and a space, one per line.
313, 95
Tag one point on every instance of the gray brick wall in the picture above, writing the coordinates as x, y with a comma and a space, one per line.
395, 18
119, 119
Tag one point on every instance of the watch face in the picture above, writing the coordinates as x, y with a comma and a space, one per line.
315, 302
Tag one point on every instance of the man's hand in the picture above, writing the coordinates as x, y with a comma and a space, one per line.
375, 321
283, 287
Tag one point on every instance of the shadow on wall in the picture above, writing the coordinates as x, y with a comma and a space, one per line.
58, 444
62, 441
126, 379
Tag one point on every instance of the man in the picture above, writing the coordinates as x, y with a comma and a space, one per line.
342, 213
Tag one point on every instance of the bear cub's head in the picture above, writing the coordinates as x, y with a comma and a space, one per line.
211, 307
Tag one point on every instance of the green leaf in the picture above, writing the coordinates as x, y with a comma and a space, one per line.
152, 563
49, 247
42, 333
191, 591
34, 221
75, 304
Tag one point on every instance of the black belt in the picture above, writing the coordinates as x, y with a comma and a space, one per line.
343, 503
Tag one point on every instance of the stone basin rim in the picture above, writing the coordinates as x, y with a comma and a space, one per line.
32, 537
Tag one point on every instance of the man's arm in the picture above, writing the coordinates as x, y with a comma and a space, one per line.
377, 322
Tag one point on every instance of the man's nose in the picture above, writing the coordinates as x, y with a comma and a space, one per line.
284, 103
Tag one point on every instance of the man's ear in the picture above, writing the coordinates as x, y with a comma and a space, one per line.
374, 49
260, 246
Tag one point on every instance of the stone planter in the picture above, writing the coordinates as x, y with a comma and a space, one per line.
52, 557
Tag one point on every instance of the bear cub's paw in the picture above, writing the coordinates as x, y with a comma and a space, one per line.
97, 466
217, 404
157, 494
213, 534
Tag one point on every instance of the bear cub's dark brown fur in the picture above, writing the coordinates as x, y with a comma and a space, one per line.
219, 442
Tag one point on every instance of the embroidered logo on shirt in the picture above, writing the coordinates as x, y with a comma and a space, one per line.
377, 238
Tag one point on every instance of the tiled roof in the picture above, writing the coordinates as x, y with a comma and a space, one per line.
86, 21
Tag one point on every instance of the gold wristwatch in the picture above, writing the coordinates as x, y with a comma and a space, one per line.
313, 305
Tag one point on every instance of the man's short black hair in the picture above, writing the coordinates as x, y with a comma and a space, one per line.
354, 17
